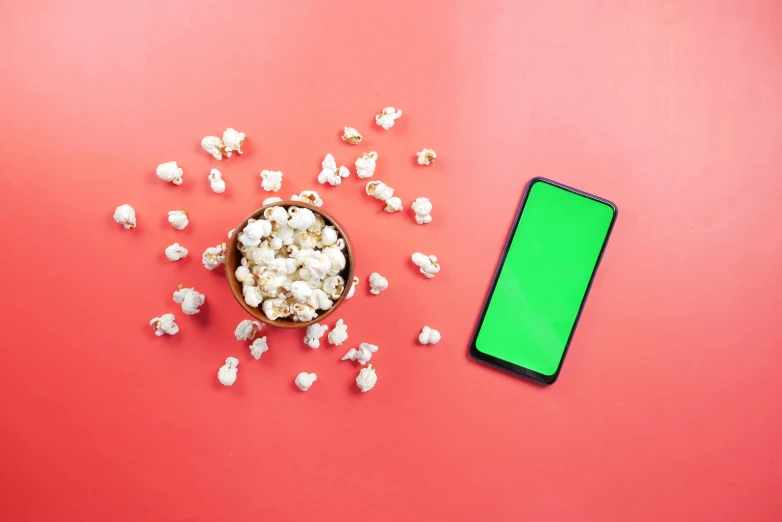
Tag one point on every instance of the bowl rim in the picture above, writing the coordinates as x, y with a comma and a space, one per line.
232, 261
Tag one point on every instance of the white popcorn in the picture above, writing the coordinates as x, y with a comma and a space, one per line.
330, 173
352, 136
328, 236
300, 218
301, 291
242, 272
125, 215
175, 252
304, 380
189, 298
387, 117
362, 354
270, 283
285, 235
429, 336
170, 172
379, 190
422, 208
216, 181
366, 164
255, 230
334, 286
377, 283
314, 333
427, 264
319, 300
276, 215
214, 146
233, 141
252, 295
246, 330
337, 259
272, 180
306, 239
278, 265
227, 372
339, 334
302, 312
213, 256
318, 265
164, 325
178, 219
275, 309
352, 287
367, 378
308, 196
426, 156
269, 201
393, 204
258, 346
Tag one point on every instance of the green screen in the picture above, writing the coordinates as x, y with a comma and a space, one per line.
543, 282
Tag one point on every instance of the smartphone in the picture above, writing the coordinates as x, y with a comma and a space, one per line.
542, 281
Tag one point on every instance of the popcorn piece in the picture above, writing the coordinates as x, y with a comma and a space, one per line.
304, 380
164, 325
301, 291
255, 230
362, 355
275, 309
426, 156
429, 336
308, 196
272, 180
427, 264
337, 259
367, 378
314, 333
125, 216
352, 288
233, 141
213, 256
377, 283
318, 266
330, 173
422, 207
352, 136
269, 201
387, 117
216, 181
189, 298
178, 219
246, 330
329, 236
170, 172
252, 295
214, 146
339, 334
334, 286
320, 300
259, 346
276, 215
393, 204
244, 276
302, 312
379, 190
300, 218
227, 372
175, 252
365, 165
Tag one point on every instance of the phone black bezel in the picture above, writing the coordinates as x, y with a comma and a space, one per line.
508, 366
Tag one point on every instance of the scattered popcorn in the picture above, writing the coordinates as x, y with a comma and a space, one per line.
426, 156
377, 283
387, 117
269, 201
275, 309
247, 329
362, 354
304, 380
272, 180
214, 146
367, 378
314, 333
213, 256
227, 372
330, 173
175, 252
255, 230
379, 190
308, 196
125, 216
393, 204
170, 172
216, 181
258, 346
352, 136
427, 264
189, 298
422, 207
178, 219
233, 141
252, 295
365, 165
339, 334
352, 287
429, 336
164, 325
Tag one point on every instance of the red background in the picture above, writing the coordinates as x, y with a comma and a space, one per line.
668, 405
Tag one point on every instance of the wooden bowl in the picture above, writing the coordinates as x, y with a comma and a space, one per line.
233, 258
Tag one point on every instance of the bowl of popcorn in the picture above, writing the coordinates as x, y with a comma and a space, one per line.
289, 263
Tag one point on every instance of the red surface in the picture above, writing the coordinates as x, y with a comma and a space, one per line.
671, 109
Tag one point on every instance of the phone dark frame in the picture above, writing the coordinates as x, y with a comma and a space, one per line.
509, 366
